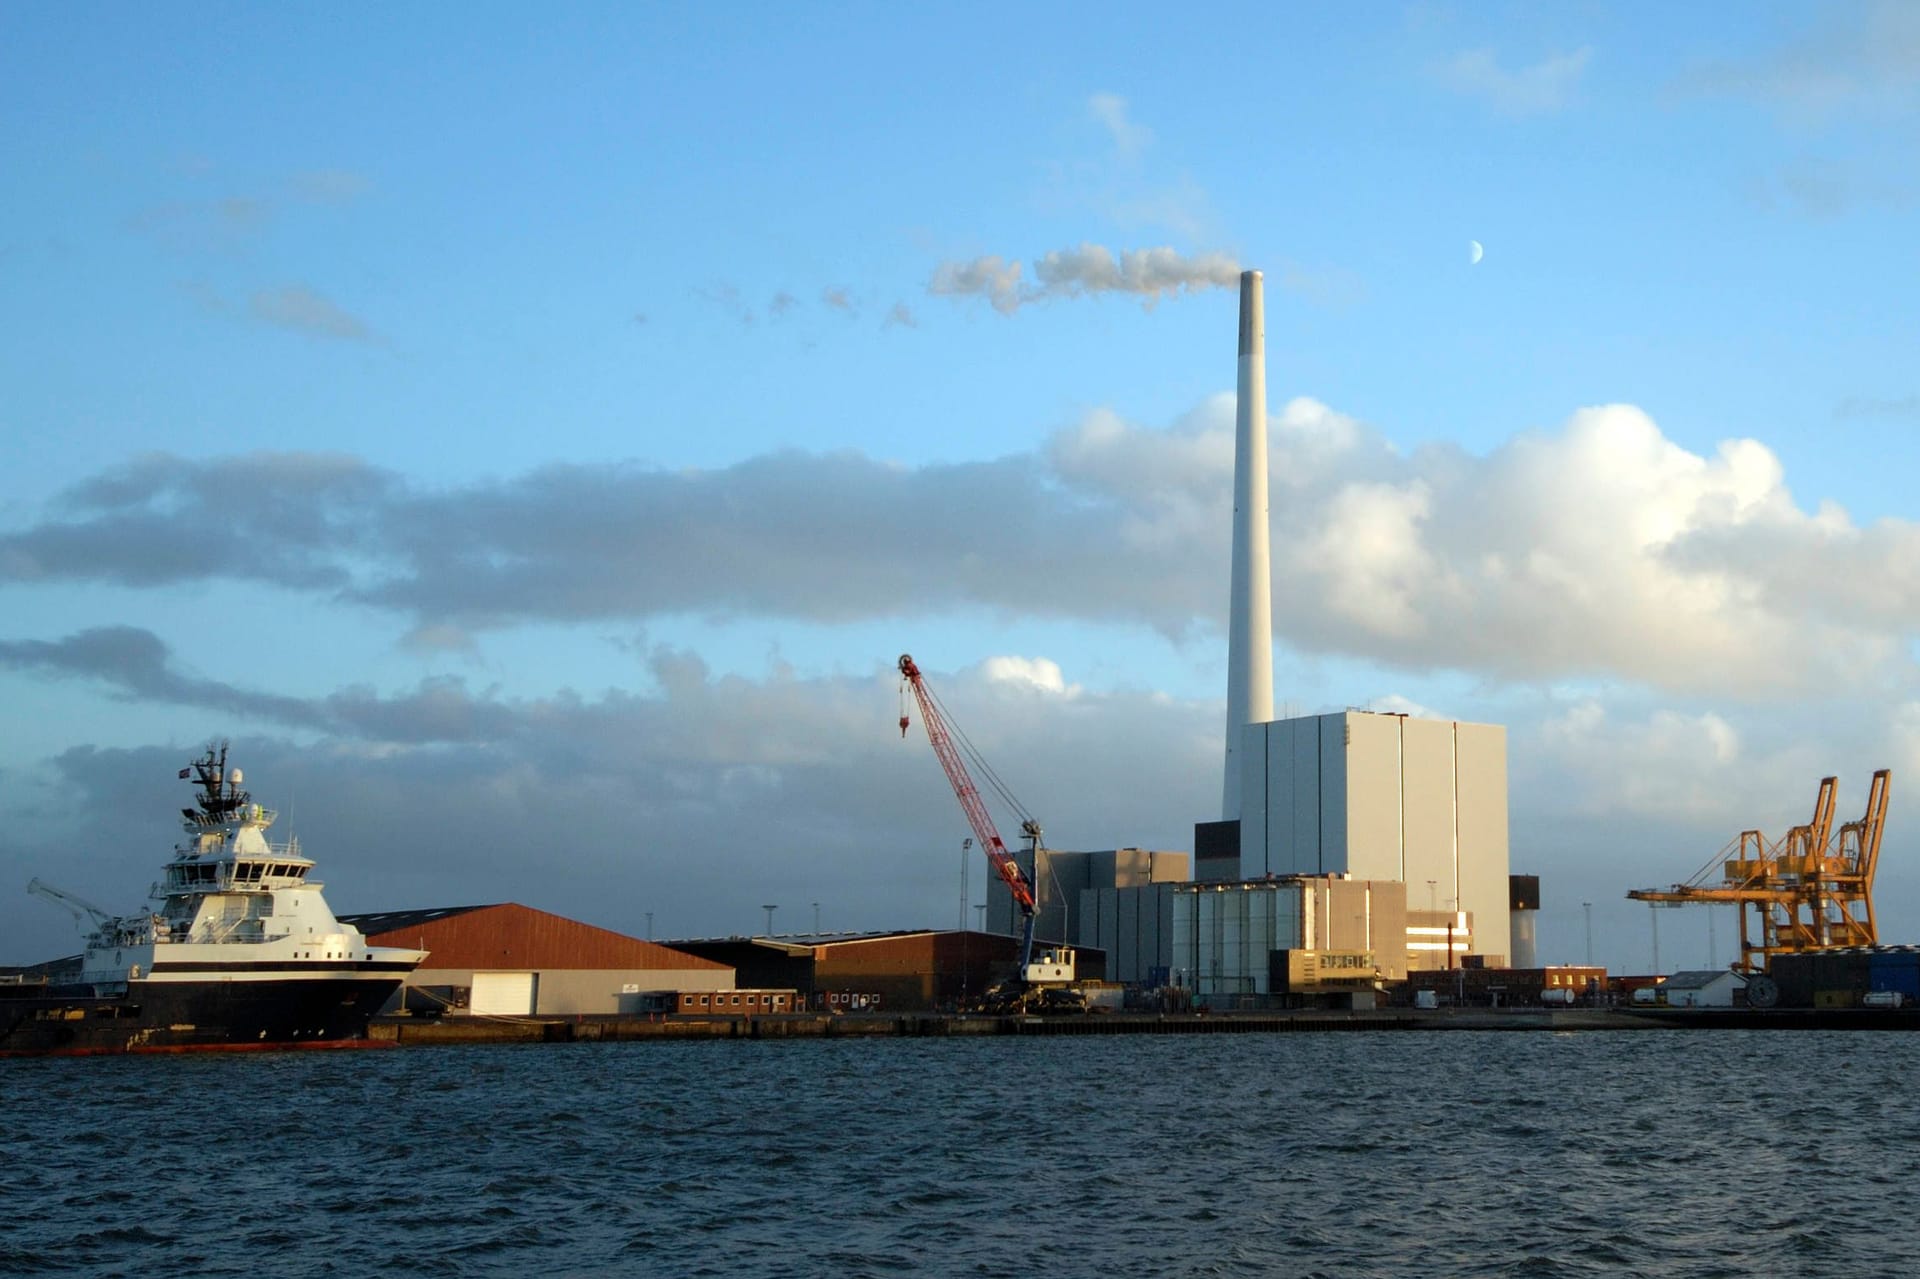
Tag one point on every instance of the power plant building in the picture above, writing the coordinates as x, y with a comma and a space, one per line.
1385, 797
1230, 939
1348, 840
1118, 901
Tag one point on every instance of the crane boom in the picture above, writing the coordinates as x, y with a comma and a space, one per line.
969, 795
72, 903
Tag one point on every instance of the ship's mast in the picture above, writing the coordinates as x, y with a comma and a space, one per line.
220, 794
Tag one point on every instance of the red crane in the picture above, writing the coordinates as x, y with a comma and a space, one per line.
969, 795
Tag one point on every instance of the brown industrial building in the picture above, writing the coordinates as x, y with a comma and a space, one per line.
512, 960
1472, 985
904, 971
723, 1003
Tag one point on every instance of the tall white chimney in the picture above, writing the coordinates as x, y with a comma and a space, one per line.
1250, 628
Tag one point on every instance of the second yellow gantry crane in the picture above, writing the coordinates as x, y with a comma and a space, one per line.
1811, 890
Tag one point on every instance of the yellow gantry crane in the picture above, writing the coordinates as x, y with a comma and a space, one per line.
1812, 890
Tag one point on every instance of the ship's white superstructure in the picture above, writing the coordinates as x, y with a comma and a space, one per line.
235, 905
242, 951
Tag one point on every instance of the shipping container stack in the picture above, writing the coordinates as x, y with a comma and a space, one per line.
1844, 978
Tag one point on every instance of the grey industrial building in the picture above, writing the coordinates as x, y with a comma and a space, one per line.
1386, 797
1225, 935
1118, 901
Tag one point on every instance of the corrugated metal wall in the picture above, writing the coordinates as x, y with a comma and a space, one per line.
1133, 925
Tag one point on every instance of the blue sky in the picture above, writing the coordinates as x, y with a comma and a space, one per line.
481, 416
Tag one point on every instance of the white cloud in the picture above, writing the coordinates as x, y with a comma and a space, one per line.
1900, 408
1148, 274
1821, 188
728, 298
1369, 558
301, 310
1668, 764
1602, 548
698, 795
1599, 549
993, 278
1030, 672
697, 800
1545, 86
1853, 59
330, 186
1110, 109
440, 639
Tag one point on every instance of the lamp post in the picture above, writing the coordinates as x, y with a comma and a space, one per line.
649, 925
816, 919
1588, 908
966, 846
769, 910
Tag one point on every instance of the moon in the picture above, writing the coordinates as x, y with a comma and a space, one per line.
1474, 253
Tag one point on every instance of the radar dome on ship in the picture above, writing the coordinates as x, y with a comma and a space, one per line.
238, 776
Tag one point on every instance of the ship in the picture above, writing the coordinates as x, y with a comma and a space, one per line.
242, 952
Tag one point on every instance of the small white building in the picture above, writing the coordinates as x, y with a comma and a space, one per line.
1714, 988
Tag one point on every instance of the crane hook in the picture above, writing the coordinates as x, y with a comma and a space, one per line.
904, 721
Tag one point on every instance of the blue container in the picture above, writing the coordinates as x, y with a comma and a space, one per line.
1904, 980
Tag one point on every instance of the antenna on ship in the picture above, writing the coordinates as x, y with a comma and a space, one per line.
293, 840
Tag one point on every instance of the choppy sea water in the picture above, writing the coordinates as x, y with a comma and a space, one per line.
1669, 1153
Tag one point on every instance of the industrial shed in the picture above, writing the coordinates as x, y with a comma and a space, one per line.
922, 970
903, 971
1712, 988
512, 960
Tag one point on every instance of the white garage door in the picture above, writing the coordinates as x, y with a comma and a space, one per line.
501, 994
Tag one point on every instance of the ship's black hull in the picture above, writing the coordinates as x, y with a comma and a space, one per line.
154, 1016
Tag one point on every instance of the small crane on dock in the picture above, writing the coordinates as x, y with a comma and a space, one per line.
1811, 890
1009, 870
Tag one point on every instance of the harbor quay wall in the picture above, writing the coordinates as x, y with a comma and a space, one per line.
422, 1032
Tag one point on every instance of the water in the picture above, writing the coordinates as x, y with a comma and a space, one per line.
1651, 1153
